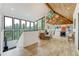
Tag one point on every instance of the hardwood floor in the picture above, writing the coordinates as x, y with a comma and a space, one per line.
57, 46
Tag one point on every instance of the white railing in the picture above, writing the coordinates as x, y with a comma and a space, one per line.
28, 38
20, 41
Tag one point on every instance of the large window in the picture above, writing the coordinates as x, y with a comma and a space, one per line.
8, 32
23, 27
16, 23
23, 24
32, 26
28, 25
39, 24
16, 34
14, 27
36, 25
8, 35
50, 14
43, 23
8, 23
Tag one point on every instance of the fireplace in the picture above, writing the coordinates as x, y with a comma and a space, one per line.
63, 34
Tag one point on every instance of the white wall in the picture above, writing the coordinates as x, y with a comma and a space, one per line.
1, 34
28, 38
75, 18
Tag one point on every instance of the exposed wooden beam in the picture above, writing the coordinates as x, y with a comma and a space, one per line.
58, 13
64, 19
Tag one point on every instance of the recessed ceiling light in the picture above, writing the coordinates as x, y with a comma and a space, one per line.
68, 8
12, 9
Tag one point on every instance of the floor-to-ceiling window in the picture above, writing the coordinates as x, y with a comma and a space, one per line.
40, 24
32, 26
16, 29
28, 25
43, 23
8, 32
13, 28
8, 29
35, 25
23, 24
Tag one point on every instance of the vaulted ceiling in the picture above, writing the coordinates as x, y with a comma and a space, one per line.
37, 10
64, 10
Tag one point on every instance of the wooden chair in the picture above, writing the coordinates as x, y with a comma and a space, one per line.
42, 35
71, 37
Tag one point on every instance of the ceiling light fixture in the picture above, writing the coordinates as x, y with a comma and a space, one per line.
12, 9
68, 8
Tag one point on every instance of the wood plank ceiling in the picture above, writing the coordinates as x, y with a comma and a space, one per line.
63, 13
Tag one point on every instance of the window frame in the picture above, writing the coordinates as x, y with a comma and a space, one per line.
4, 22
20, 27
5, 30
